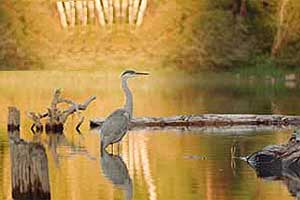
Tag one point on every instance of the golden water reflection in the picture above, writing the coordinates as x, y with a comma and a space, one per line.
160, 164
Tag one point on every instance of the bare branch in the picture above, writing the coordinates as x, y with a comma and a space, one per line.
79, 123
56, 116
75, 108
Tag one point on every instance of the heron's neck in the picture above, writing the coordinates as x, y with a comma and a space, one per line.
129, 102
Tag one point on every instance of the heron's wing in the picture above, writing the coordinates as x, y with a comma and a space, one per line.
115, 124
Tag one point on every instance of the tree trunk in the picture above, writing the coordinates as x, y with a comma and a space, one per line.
13, 122
100, 12
141, 12
29, 170
281, 34
29, 164
236, 5
62, 14
243, 9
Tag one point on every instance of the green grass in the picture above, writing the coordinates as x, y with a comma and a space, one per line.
263, 66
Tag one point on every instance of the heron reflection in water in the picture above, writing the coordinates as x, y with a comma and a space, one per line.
114, 168
116, 124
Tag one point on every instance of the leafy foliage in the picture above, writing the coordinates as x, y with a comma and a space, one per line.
192, 35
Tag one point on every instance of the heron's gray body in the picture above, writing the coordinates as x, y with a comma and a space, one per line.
116, 124
115, 127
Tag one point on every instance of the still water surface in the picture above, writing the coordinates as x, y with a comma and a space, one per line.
160, 164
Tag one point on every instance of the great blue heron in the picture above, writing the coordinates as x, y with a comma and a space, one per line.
116, 124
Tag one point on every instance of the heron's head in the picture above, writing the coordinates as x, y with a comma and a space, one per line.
132, 73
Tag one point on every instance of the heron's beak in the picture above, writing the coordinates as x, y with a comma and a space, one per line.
142, 73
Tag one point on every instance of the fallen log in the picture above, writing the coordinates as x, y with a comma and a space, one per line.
279, 162
209, 120
29, 166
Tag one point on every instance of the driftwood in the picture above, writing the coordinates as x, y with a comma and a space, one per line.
209, 120
279, 157
29, 166
279, 162
57, 117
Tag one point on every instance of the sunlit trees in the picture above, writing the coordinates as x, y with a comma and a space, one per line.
287, 37
191, 34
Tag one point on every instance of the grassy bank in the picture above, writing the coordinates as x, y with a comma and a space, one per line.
264, 67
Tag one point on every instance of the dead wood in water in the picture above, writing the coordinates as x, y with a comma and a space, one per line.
29, 169
57, 117
284, 156
209, 120
13, 121
279, 162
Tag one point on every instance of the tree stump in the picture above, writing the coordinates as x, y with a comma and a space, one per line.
13, 122
29, 165
29, 171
